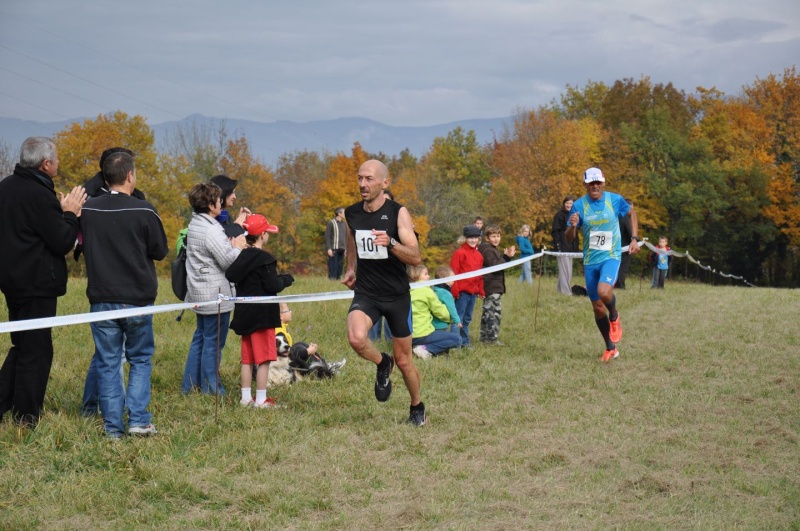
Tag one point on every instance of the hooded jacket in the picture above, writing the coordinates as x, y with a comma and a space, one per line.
255, 273
35, 234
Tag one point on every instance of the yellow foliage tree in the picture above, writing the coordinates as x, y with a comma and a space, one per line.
778, 102
81, 144
259, 191
538, 163
338, 189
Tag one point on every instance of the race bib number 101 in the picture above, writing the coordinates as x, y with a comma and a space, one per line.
367, 250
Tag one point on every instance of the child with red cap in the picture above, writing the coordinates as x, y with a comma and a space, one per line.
255, 273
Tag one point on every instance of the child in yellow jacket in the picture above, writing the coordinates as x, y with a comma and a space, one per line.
428, 341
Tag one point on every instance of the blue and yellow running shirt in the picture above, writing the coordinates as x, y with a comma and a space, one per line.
599, 223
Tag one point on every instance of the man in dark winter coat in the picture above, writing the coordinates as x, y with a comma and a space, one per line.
122, 237
36, 231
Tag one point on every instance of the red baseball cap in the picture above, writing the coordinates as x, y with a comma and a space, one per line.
256, 225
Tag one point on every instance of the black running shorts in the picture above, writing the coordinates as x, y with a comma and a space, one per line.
397, 312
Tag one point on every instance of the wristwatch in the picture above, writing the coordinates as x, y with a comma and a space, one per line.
392, 243
635, 238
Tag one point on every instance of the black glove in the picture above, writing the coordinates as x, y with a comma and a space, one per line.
287, 279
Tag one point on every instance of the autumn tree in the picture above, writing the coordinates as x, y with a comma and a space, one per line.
80, 145
338, 188
577, 104
258, 190
539, 161
198, 144
778, 101
301, 172
450, 185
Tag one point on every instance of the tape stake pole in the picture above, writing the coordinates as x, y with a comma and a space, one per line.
538, 290
216, 386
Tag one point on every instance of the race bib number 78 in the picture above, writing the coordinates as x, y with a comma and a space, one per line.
600, 240
367, 250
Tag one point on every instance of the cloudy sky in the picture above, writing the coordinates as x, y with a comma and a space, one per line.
401, 62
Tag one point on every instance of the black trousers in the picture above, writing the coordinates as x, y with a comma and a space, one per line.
624, 267
26, 370
336, 264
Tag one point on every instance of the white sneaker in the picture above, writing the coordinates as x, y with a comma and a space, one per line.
144, 431
247, 403
422, 352
269, 403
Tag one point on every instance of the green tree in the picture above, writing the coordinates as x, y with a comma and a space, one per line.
451, 182
537, 163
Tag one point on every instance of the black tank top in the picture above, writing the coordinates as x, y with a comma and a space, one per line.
379, 273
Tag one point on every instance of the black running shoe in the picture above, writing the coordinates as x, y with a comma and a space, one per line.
417, 417
383, 385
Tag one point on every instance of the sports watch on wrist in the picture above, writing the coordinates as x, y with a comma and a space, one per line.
392, 243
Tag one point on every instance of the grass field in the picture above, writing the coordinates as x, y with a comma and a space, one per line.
696, 425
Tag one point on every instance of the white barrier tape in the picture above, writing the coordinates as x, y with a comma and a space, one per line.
81, 318
333, 295
66, 320
574, 255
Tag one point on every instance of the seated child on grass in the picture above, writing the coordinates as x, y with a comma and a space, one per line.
425, 305
443, 294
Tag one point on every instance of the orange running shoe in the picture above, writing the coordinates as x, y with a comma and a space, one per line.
609, 355
616, 329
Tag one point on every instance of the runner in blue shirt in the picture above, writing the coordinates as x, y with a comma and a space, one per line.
597, 215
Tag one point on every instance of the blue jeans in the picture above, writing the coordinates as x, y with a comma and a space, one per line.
201, 364
465, 303
134, 337
375, 332
438, 341
91, 401
525, 276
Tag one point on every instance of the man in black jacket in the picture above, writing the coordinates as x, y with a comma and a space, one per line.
36, 231
97, 185
122, 236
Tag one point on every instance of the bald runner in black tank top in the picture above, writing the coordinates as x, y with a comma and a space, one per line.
381, 275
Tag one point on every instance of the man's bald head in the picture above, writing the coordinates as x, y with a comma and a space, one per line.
376, 168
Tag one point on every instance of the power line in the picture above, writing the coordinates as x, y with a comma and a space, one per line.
122, 62
32, 105
90, 81
55, 88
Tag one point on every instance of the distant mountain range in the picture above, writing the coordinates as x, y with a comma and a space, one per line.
269, 140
